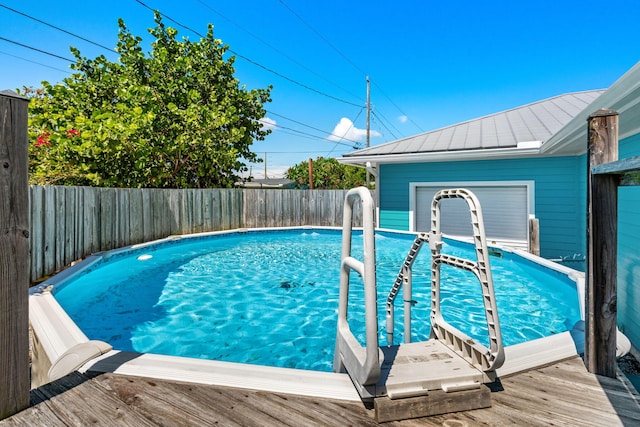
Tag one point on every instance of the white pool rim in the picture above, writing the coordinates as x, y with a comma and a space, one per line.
56, 335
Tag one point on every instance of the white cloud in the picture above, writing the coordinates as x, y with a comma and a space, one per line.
345, 130
267, 123
403, 119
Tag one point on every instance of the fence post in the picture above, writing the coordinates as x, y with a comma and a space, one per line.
310, 174
534, 236
14, 255
602, 244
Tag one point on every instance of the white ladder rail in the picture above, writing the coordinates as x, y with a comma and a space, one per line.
362, 363
489, 359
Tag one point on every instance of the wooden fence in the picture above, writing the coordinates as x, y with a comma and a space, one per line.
69, 223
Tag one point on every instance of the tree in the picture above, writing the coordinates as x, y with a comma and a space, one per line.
176, 118
327, 173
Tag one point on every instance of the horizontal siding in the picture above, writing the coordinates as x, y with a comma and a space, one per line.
629, 147
628, 254
559, 193
629, 263
395, 220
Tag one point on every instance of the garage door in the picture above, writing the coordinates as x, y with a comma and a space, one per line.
505, 209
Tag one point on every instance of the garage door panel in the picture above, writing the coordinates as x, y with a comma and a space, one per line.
504, 208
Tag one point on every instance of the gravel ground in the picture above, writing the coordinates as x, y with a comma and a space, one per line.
629, 365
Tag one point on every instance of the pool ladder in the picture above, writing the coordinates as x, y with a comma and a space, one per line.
450, 360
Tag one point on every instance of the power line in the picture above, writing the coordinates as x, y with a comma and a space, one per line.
57, 28
254, 62
341, 138
383, 124
269, 45
311, 135
398, 108
37, 50
170, 19
345, 57
35, 62
306, 125
294, 81
389, 122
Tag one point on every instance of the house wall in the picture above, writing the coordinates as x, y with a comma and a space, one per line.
628, 250
559, 194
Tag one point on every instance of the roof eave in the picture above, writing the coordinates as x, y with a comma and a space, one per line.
445, 156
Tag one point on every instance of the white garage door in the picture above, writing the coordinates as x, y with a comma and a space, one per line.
505, 210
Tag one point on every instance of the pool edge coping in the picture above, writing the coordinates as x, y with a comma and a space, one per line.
57, 340
57, 333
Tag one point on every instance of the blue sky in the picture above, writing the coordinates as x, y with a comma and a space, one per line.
431, 64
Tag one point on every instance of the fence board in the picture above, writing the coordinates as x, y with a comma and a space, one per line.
124, 230
224, 210
207, 211
174, 199
253, 207
108, 218
197, 225
166, 214
185, 221
69, 218
287, 212
91, 222
49, 230
146, 214
36, 240
60, 231
78, 225
136, 216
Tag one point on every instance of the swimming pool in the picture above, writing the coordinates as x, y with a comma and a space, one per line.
270, 297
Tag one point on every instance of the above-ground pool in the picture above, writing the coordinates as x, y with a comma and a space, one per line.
271, 297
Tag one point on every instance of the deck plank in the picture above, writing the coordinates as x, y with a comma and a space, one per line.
562, 394
75, 400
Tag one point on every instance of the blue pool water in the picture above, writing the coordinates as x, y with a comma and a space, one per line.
271, 297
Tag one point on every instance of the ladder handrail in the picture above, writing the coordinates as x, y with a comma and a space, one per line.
362, 363
489, 359
404, 280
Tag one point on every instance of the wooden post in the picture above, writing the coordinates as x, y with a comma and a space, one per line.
602, 244
534, 236
310, 174
14, 255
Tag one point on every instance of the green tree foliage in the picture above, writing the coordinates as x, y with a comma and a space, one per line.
174, 118
327, 173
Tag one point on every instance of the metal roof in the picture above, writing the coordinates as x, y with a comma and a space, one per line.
537, 121
622, 96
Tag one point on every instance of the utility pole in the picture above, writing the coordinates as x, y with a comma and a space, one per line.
265, 165
368, 123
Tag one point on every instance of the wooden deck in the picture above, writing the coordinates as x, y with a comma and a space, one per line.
563, 394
